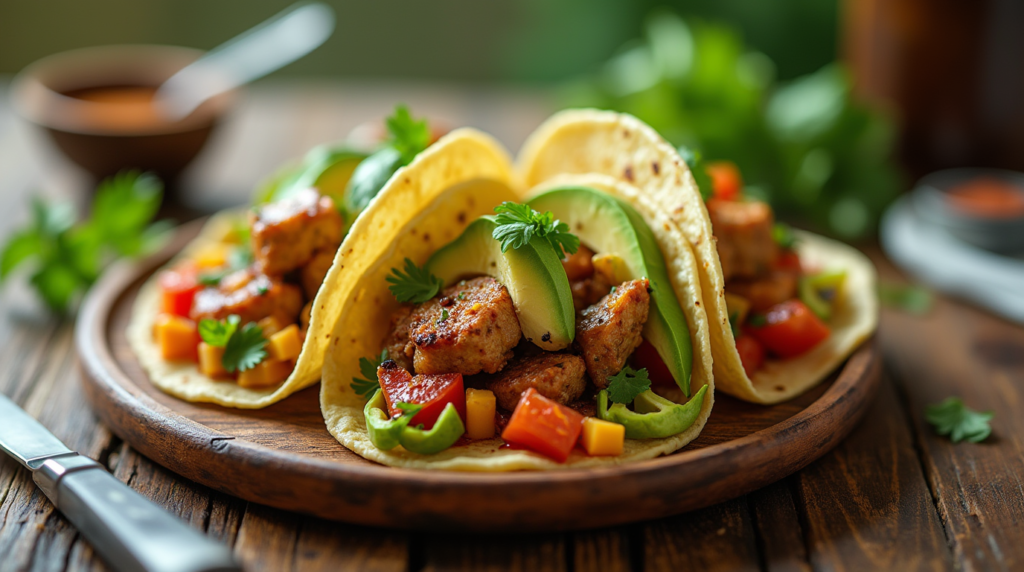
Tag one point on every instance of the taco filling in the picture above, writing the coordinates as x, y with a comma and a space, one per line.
524, 329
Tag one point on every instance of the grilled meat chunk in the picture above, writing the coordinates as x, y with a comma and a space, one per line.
609, 331
768, 290
400, 349
579, 265
589, 291
286, 233
250, 295
556, 376
744, 234
313, 273
478, 334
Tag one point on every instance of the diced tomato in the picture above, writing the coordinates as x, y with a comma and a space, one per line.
647, 357
751, 353
725, 179
433, 392
788, 260
178, 288
544, 426
789, 329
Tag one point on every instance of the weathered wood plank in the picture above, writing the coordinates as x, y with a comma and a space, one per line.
720, 537
779, 532
331, 546
526, 553
867, 505
607, 550
979, 488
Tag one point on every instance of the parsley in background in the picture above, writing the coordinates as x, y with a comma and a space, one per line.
953, 418
519, 224
624, 386
407, 138
368, 367
700, 175
909, 298
66, 257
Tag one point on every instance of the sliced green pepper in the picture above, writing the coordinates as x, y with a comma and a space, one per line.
653, 416
386, 433
819, 291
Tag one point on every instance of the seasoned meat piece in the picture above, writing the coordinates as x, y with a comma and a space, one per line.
478, 335
588, 291
313, 273
251, 295
400, 349
768, 290
579, 265
609, 331
744, 233
554, 375
285, 234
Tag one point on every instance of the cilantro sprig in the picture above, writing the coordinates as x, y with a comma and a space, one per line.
951, 417
66, 257
407, 137
243, 347
366, 385
519, 224
415, 285
784, 236
624, 386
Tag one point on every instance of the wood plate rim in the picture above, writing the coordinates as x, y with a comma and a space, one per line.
410, 499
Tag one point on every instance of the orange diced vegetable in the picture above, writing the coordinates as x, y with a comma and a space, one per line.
267, 373
602, 437
726, 179
286, 344
211, 256
271, 325
177, 337
480, 408
210, 361
544, 425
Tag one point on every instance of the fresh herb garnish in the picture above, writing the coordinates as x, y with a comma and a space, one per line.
909, 298
461, 296
444, 316
953, 418
366, 385
783, 235
700, 174
407, 138
624, 386
519, 224
66, 258
415, 285
244, 349
217, 332
734, 318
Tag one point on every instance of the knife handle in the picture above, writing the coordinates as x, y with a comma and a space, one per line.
131, 533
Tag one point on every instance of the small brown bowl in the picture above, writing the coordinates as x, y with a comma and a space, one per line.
105, 135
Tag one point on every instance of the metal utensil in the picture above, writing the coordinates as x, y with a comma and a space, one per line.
269, 46
128, 531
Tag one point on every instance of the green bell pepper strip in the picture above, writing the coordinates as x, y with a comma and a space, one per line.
653, 416
387, 433
812, 287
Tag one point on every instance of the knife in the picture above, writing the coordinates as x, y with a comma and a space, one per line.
128, 531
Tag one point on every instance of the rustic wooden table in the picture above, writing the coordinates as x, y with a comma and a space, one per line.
893, 496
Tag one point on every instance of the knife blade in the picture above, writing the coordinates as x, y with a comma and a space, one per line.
128, 531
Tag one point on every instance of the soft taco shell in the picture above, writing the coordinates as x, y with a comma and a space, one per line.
625, 148
364, 319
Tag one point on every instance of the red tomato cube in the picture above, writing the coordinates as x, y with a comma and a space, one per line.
178, 288
544, 426
646, 357
751, 353
433, 392
789, 329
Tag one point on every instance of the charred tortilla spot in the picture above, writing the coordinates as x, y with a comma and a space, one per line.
628, 173
461, 217
426, 237
655, 167
779, 388
546, 337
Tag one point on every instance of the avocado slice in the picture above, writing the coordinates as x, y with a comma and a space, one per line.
532, 274
608, 225
326, 168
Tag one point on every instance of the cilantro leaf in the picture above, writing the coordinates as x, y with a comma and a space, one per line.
783, 235
20, 248
415, 285
624, 386
700, 175
953, 418
408, 136
910, 298
366, 385
244, 349
519, 224
217, 332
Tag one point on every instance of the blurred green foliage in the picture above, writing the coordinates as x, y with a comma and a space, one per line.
804, 144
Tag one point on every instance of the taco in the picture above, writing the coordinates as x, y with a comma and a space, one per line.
784, 308
491, 326
238, 318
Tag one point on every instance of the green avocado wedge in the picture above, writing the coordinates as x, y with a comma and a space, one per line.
532, 274
327, 168
608, 225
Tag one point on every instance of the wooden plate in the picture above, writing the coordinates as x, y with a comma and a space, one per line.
284, 457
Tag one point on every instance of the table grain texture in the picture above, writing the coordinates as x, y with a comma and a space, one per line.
893, 496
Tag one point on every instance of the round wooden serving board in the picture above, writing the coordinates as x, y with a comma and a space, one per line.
284, 457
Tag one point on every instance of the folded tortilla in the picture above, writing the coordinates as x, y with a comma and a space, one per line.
627, 150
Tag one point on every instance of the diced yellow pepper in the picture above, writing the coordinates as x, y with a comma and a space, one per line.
480, 405
267, 373
211, 256
286, 344
603, 437
270, 326
211, 361
611, 266
738, 308
177, 338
